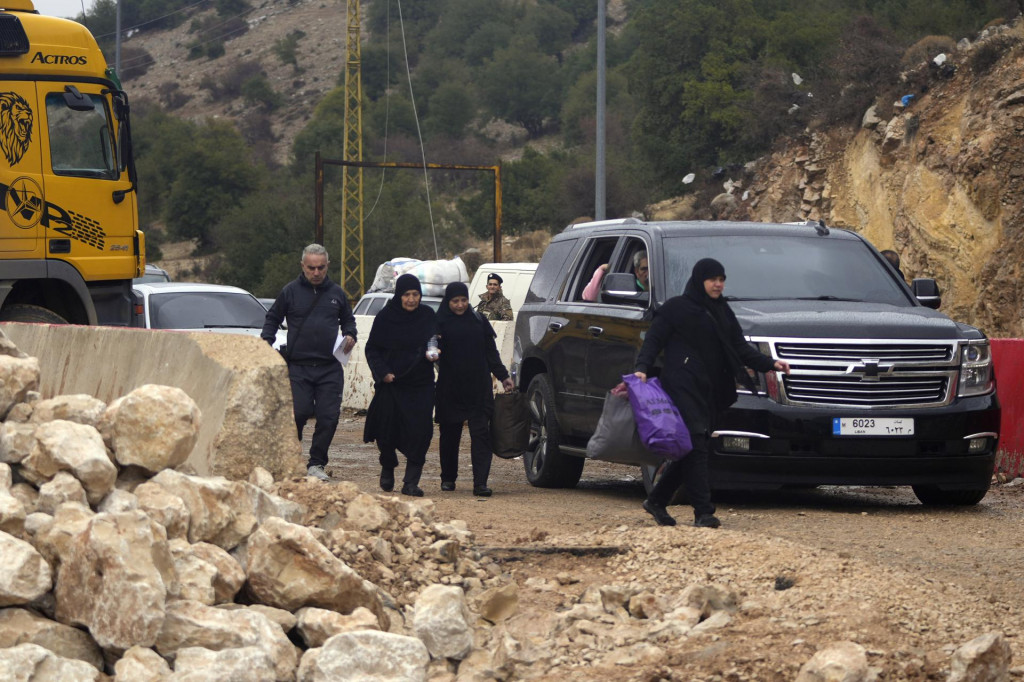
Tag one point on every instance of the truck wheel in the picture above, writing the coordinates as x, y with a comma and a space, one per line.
933, 496
546, 466
649, 472
23, 312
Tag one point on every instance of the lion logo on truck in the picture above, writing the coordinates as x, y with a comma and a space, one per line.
15, 126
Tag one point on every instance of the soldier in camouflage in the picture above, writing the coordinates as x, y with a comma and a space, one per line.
493, 305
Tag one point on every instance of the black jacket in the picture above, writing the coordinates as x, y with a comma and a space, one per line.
469, 357
699, 368
320, 331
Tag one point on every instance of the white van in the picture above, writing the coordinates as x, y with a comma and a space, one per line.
515, 282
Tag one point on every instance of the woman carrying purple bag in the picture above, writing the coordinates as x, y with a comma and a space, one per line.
705, 355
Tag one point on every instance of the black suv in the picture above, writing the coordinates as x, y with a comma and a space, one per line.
884, 389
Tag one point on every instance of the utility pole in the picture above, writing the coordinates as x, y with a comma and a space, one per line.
117, 40
599, 170
352, 178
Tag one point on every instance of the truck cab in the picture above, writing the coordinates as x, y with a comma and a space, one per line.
69, 238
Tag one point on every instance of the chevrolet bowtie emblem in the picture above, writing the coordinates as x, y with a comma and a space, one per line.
870, 370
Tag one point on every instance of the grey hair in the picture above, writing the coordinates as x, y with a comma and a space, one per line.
315, 250
637, 257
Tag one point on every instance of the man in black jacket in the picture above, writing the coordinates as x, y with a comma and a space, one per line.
315, 307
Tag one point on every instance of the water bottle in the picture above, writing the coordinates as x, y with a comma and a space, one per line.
432, 352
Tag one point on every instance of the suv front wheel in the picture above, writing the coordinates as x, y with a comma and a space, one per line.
546, 466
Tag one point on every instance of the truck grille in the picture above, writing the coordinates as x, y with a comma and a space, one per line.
856, 352
867, 374
888, 392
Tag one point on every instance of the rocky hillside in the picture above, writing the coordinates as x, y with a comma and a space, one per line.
175, 81
940, 181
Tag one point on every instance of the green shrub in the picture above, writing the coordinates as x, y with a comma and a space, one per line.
926, 49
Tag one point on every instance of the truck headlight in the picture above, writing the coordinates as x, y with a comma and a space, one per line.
976, 377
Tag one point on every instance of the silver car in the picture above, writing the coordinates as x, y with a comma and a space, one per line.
200, 307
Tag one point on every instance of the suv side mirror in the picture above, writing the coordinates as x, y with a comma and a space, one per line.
620, 287
927, 292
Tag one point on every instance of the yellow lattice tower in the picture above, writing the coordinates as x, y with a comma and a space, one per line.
352, 178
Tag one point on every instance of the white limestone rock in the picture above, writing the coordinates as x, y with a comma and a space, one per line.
18, 376
984, 659
366, 656
153, 427
191, 624
79, 408
318, 625
75, 448
114, 579
164, 507
839, 662
20, 626
25, 576
443, 621
289, 568
244, 664
63, 487
33, 663
140, 664
220, 511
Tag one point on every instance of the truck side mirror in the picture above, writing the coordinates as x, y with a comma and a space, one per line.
927, 292
76, 101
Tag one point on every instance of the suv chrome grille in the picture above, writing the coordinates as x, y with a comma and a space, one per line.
856, 352
888, 392
868, 374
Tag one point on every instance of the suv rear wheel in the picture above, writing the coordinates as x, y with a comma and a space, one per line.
546, 466
934, 496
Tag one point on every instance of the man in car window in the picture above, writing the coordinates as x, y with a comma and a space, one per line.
315, 307
641, 271
493, 304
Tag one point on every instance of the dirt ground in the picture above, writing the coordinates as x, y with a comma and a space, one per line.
870, 565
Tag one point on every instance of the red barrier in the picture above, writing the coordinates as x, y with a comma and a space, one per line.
1008, 356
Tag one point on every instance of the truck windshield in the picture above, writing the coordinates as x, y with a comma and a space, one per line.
80, 141
774, 268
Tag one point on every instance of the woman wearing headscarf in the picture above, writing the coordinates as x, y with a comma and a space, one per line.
399, 414
705, 355
469, 357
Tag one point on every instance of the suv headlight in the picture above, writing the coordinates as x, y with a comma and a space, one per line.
976, 377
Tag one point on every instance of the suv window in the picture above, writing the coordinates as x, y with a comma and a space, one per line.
597, 252
549, 271
774, 267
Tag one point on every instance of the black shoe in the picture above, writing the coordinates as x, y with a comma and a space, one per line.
387, 479
707, 521
412, 490
447, 486
482, 491
659, 513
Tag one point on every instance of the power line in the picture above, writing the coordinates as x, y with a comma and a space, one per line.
151, 21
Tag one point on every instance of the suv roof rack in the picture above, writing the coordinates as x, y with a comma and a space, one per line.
606, 223
818, 225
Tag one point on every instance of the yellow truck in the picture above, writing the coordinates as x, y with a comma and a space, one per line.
69, 238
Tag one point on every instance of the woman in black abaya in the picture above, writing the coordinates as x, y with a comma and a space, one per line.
464, 393
705, 356
399, 416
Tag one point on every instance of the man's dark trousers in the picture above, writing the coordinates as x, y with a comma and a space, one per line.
316, 392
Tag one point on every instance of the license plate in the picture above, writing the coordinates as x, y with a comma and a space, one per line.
872, 426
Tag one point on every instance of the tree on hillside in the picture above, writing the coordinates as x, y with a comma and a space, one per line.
522, 85
216, 177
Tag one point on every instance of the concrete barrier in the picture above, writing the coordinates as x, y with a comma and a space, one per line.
359, 381
1008, 357
239, 382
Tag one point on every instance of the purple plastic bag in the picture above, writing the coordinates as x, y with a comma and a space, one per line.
658, 421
